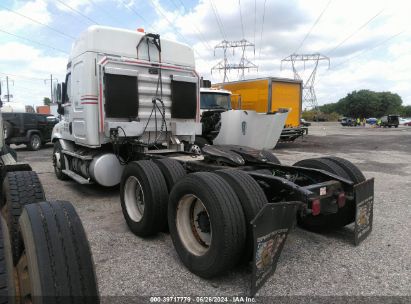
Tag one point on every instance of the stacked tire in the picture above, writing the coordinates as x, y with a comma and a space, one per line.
44, 253
208, 213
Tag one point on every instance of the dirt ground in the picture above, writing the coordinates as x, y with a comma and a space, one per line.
311, 264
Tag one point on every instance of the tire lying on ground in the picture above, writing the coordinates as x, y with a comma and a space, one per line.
56, 261
19, 189
321, 222
252, 199
352, 170
206, 223
144, 198
7, 284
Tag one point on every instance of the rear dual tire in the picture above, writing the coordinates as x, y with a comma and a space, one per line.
206, 223
345, 215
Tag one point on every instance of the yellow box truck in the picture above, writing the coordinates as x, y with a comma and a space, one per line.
270, 95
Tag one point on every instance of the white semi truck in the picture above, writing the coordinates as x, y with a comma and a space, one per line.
129, 105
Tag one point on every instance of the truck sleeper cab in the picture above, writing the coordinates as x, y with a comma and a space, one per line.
123, 86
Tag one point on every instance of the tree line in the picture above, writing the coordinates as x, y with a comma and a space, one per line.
366, 103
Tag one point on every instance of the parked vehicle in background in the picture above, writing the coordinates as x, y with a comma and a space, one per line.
305, 123
371, 121
405, 121
270, 95
408, 123
348, 122
390, 121
31, 129
222, 125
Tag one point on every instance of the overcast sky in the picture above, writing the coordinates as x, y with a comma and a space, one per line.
368, 41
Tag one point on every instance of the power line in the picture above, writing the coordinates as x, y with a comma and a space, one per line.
105, 11
241, 18
370, 49
130, 8
22, 76
255, 20
355, 32
219, 23
38, 22
157, 9
32, 41
312, 27
201, 36
262, 30
78, 12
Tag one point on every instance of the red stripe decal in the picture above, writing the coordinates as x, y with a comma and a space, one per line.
89, 102
101, 109
89, 95
89, 98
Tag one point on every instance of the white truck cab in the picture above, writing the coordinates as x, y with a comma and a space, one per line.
123, 87
214, 99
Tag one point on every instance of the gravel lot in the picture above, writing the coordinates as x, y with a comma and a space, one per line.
311, 264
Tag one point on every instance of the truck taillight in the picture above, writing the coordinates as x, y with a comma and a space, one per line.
140, 30
315, 207
341, 200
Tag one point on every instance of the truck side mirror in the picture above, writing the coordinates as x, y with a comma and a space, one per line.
63, 92
57, 93
61, 97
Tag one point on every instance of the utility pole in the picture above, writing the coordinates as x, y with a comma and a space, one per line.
7, 88
7, 85
51, 86
244, 62
309, 96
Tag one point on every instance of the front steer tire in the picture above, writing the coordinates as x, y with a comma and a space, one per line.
20, 188
58, 161
145, 212
226, 224
56, 264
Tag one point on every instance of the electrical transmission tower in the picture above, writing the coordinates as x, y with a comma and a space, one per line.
244, 63
309, 96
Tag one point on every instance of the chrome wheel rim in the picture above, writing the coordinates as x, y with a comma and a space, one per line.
193, 225
134, 199
35, 142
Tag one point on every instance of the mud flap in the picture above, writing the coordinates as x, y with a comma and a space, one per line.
270, 229
364, 202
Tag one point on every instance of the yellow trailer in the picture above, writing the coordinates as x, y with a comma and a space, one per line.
270, 95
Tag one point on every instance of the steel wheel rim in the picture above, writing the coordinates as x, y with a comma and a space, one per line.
134, 199
195, 149
25, 285
35, 142
190, 219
